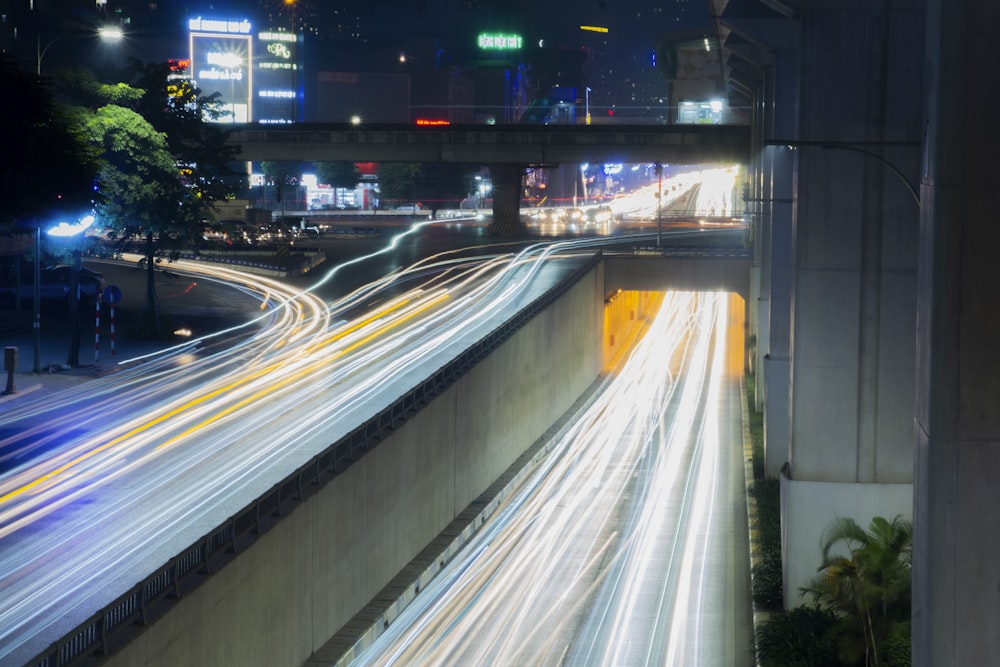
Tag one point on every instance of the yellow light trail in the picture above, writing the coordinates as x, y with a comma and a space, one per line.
225, 412
181, 409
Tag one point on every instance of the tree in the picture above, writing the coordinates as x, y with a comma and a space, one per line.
143, 192
439, 183
280, 175
396, 180
338, 174
201, 149
165, 164
869, 586
48, 167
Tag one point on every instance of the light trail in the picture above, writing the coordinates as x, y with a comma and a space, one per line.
103, 489
608, 554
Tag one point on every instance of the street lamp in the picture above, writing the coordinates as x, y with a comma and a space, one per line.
106, 34
61, 230
587, 104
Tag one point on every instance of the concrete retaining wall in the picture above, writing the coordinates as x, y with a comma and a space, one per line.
305, 578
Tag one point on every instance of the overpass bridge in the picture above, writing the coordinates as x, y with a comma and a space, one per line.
275, 582
506, 149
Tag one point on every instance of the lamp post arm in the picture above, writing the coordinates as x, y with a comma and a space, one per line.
858, 147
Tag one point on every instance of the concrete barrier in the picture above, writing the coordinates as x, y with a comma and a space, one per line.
296, 585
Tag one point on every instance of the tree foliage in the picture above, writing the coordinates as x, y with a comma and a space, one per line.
201, 149
397, 180
164, 165
868, 586
284, 177
444, 184
48, 167
338, 174
139, 180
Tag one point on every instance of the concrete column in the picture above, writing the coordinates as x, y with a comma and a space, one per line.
760, 292
853, 304
506, 200
956, 588
782, 261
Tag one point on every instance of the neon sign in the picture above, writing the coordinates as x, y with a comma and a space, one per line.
277, 37
215, 25
432, 123
279, 50
499, 42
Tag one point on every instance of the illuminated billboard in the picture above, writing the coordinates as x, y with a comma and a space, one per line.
277, 80
221, 53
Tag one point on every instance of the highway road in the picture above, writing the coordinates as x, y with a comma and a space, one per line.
98, 488
628, 545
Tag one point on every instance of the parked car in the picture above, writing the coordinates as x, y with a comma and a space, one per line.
411, 208
54, 284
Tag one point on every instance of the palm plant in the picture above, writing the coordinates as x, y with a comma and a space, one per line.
869, 586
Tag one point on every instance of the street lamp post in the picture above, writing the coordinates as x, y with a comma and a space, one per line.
106, 34
63, 230
37, 324
587, 104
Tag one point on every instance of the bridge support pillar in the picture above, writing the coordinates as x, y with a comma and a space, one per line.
507, 200
956, 526
849, 232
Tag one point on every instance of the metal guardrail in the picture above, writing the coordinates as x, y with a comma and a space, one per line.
697, 252
114, 626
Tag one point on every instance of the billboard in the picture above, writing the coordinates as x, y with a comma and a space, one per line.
221, 53
278, 81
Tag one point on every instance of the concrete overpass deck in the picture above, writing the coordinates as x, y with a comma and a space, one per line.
518, 144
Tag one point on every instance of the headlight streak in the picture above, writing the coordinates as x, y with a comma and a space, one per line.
338, 385
134, 443
188, 409
518, 620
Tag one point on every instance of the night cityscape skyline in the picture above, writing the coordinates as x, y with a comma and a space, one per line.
618, 66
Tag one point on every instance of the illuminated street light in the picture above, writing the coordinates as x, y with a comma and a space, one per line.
59, 230
106, 34
64, 231
110, 34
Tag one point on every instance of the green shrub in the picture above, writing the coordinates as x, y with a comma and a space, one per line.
800, 637
896, 652
768, 591
767, 494
756, 428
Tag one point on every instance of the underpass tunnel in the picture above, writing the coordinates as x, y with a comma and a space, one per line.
627, 313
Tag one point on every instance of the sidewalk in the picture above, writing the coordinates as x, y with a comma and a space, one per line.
201, 307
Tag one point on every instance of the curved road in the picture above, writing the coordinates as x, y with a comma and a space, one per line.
97, 490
